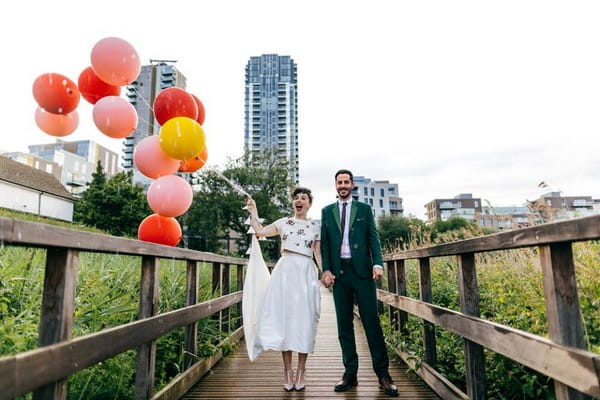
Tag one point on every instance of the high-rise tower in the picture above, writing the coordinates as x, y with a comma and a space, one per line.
271, 109
153, 78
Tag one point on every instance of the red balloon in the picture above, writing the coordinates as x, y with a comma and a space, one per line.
194, 164
158, 229
174, 102
201, 111
93, 88
56, 93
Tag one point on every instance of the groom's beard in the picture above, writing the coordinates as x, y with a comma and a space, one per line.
344, 193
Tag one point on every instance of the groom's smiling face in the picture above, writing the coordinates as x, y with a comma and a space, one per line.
343, 185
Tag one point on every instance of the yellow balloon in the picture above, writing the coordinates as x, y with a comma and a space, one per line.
182, 138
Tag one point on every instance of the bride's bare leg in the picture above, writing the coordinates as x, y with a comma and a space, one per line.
301, 372
288, 383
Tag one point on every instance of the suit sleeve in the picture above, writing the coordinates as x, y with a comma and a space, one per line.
325, 256
373, 239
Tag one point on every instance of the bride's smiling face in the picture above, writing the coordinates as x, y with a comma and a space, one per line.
301, 204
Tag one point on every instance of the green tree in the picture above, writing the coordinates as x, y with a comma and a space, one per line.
114, 205
216, 213
400, 233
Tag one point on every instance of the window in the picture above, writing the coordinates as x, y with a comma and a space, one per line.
366, 191
372, 192
381, 202
382, 192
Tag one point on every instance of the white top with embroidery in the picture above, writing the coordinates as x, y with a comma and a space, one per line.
298, 235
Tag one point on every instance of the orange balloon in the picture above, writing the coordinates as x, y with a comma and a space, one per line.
194, 164
158, 229
56, 124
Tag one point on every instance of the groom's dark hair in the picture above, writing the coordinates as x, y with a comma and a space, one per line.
344, 171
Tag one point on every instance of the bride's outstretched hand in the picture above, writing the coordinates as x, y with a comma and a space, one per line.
251, 205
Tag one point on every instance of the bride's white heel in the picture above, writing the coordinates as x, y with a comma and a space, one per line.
289, 380
300, 384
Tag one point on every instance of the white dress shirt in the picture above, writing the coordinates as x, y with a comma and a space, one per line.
345, 250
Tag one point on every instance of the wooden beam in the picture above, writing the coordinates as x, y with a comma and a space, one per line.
56, 320
146, 352
426, 296
569, 365
436, 381
191, 298
573, 230
565, 325
33, 234
469, 305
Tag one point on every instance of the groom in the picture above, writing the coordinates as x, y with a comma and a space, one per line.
352, 260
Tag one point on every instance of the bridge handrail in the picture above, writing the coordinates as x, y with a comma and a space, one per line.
562, 357
45, 369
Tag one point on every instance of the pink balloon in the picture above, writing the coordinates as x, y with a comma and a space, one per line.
151, 160
57, 124
115, 117
115, 61
170, 196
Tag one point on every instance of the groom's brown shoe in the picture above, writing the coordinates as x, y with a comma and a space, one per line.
348, 381
388, 386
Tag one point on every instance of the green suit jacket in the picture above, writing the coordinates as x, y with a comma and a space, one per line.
364, 240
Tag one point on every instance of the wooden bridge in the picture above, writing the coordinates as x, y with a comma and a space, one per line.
44, 371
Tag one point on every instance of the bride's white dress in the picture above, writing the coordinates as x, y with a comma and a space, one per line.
281, 312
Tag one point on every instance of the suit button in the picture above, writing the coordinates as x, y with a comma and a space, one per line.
341, 271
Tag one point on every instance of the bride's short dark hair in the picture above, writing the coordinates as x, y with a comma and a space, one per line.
299, 189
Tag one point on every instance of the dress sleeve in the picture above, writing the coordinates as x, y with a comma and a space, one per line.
279, 224
317, 229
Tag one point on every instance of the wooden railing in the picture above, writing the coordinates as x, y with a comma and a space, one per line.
44, 371
576, 372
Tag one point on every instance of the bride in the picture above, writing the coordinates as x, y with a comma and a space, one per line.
290, 310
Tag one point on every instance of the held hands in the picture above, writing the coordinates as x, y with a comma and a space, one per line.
328, 279
377, 273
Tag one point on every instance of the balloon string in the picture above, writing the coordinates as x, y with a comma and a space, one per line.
141, 96
233, 185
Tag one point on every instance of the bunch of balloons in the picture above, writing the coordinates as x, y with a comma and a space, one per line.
114, 63
180, 146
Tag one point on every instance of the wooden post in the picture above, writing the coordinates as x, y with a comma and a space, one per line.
392, 312
226, 314
240, 286
379, 285
191, 298
401, 291
565, 325
146, 353
469, 305
56, 319
216, 289
426, 296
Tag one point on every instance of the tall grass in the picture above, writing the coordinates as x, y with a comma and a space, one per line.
511, 293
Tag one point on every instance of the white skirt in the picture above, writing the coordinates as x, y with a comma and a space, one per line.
291, 307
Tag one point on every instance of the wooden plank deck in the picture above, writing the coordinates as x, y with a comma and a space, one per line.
235, 377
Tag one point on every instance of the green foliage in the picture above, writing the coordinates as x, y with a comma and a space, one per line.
116, 206
217, 213
398, 233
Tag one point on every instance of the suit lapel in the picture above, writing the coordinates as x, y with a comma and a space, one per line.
336, 215
353, 211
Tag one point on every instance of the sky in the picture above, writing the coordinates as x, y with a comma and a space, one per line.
440, 97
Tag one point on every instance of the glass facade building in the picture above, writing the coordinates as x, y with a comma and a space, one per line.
271, 109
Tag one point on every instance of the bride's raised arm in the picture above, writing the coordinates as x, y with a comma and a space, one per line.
259, 230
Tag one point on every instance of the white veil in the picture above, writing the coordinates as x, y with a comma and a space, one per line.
255, 285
